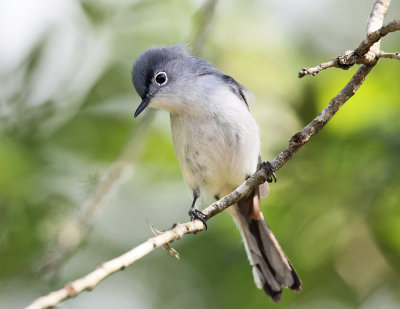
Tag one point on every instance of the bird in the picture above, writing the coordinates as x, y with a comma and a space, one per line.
217, 143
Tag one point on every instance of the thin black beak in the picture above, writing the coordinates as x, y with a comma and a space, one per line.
142, 105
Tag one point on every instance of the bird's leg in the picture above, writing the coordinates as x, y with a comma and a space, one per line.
195, 213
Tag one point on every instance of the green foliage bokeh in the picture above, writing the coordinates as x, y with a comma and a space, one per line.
335, 207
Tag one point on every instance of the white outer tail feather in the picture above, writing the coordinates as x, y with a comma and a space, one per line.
271, 268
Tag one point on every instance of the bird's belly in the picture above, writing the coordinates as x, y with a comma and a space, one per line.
215, 156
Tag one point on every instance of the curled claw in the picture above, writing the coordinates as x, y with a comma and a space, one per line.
272, 178
197, 214
268, 167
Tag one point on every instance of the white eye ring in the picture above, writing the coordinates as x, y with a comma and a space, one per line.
161, 78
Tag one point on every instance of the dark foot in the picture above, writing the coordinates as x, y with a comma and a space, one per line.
197, 214
267, 165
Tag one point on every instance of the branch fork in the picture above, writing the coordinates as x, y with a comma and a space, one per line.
363, 54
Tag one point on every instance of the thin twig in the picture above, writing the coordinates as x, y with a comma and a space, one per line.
375, 36
299, 139
360, 55
315, 70
382, 54
378, 13
343, 61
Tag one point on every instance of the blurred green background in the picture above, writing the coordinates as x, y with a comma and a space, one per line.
80, 177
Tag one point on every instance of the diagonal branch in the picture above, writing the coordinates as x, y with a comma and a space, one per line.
298, 140
375, 36
303, 136
295, 143
106, 269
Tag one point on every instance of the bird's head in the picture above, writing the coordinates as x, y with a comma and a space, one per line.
167, 77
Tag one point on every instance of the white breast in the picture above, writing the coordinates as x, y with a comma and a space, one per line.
216, 142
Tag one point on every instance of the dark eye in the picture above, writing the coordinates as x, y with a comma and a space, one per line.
161, 78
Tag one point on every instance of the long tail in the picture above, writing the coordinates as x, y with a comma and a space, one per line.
271, 269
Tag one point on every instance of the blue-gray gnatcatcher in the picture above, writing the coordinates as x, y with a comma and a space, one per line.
217, 144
